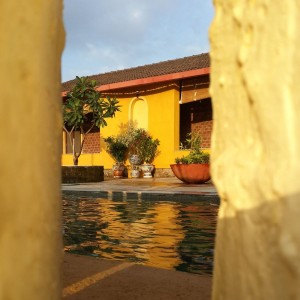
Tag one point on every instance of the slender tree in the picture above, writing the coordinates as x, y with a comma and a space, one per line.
84, 109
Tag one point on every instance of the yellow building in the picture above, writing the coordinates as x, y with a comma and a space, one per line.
169, 99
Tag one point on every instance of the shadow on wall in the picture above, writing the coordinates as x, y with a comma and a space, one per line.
263, 240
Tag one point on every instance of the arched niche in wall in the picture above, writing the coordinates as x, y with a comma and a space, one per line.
138, 112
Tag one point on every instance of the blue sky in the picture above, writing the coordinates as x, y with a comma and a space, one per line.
109, 35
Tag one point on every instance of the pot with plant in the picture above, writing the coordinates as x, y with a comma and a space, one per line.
149, 150
142, 151
118, 151
134, 145
129, 136
194, 167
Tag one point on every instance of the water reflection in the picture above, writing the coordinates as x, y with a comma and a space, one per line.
178, 235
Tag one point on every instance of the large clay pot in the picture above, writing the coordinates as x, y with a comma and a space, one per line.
191, 173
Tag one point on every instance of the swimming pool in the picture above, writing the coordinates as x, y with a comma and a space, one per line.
166, 234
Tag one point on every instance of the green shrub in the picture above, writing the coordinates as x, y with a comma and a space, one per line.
137, 141
117, 149
196, 155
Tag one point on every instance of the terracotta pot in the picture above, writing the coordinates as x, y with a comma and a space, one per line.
118, 170
191, 173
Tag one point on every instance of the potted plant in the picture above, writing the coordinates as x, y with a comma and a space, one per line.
134, 145
142, 149
118, 151
194, 167
149, 150
130, 135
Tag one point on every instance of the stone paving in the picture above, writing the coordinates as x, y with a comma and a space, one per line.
87, 278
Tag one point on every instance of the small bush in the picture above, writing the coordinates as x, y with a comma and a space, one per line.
196, 155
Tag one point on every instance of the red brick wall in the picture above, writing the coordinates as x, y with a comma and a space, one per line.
92, 143
205, 129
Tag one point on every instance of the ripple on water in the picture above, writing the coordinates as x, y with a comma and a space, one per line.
165, 234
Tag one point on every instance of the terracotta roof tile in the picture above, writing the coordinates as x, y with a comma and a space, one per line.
161, 68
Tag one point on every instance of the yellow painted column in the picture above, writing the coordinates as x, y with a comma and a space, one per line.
255, 62
31, 40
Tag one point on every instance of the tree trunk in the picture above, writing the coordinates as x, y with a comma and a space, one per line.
75, 160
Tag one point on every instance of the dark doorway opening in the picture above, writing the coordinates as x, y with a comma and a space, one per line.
196, 116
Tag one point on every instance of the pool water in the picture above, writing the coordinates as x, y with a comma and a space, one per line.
164, 234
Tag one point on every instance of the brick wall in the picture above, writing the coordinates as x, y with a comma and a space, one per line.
205, 129
92, 143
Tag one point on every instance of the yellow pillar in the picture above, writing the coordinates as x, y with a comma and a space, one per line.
256, 148
31, 39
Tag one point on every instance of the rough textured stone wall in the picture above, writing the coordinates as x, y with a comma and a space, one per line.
77, 174
31, 39
255, 62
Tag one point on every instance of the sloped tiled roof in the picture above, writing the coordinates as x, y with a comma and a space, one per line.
188, 63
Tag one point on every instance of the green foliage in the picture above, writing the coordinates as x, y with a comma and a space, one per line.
127, 133
117, 149
196, 155
194, 158
194, 141
84, 109
144, 145
84, 105
148, 149
138, 141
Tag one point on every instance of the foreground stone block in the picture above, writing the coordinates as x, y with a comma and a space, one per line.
77, 174
255, 63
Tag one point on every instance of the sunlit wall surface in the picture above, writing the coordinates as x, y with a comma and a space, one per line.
31, 38
255, 63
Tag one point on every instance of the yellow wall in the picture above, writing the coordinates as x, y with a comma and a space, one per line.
163, 123
138, 112
31, 38
255, 62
